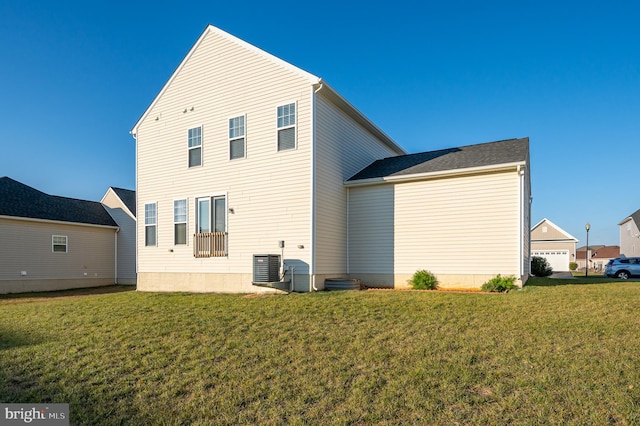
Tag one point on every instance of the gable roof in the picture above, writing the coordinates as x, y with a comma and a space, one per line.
562, 231
485, 155
316, 82
128, 197
635, 216
20, 200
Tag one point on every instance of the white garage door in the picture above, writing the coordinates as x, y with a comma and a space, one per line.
558, 259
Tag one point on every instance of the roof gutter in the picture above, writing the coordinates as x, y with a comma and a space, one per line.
433, 175
58, 222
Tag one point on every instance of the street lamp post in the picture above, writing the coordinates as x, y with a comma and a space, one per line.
586, 255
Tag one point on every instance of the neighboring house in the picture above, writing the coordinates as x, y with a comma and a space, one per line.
241, 153
598, 256
53, 243
630, 235
121, 205
553, 243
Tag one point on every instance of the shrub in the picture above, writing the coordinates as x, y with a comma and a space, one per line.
499, 284
540, 267
573, 266
423, 280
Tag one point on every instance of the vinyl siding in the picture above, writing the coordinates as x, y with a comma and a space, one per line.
629, 241
371, 229
269, 191
27, 247
460, 225
126, 238
343, 148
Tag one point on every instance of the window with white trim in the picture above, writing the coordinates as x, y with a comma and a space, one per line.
286, 127
236, 137
59, 244
195, 147
150, 224
180, 222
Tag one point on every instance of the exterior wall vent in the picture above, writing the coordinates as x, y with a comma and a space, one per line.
266, 268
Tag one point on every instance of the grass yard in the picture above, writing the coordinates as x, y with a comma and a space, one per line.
552, 353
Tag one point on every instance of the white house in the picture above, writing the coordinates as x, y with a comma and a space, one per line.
630, 235
121, 206
243, 154
57, 243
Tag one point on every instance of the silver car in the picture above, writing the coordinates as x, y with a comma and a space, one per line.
623, 267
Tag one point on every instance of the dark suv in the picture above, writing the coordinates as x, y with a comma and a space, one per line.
623, 267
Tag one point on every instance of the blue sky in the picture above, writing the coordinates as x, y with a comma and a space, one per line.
76, 76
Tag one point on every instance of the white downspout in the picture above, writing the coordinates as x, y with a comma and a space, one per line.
521, 220
312, 267
348, 262
116, 257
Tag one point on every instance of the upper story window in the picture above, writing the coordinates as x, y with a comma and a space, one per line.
286, 127
195, 147
150, 224
59, 243
180, 222
236, 137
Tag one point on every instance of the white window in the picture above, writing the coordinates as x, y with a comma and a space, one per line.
211, 227
544, 229
195, 147
180, 222
286, 127
236, 137
150, 221
59, 243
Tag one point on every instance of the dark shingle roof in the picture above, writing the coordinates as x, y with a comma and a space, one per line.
20, 200
128, 197
635, 216
485, 154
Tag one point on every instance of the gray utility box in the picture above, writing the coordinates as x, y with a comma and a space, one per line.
266, 268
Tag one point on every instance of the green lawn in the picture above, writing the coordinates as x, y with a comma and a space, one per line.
552, 353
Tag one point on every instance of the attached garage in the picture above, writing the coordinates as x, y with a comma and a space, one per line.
461, 213
558, 259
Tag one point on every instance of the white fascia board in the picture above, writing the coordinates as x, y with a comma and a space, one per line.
58, 222
211, 29
569, 236
443, 173
359, 117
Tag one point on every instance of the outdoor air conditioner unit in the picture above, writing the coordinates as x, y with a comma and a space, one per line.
266, 268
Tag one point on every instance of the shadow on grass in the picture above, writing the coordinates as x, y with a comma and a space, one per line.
552, 282
12, 339
89, 291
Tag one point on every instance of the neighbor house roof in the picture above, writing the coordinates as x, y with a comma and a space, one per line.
602, 252
128, 197
592, 247
511, 151
635, 216
20, 200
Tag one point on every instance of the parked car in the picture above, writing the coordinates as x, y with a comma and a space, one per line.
623, 267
